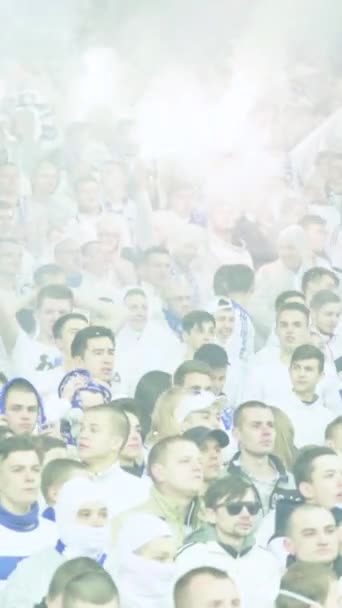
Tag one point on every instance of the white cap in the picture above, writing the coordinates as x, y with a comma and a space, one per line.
219, 303
194, 403
140, 529
201, 555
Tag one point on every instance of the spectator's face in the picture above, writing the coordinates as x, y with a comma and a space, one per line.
68, 256
161, 549
94, 258
92, 514
326, 318
218, 380
205, 591
9, 180
97, 438
109, 237
88, 197
134, 446
20, 481
336, 440
182, 470
256, 433
157, 269
313, 287
179, 300
46, 180
325, 485
69, 331
137, 307
197, 382
235, 517
225, 322
50, 310
305, 375
99, 358
21, 411
313, 536
11, 255
317, 236
209, 417
290, 256
212, 459
292, 330
199, 335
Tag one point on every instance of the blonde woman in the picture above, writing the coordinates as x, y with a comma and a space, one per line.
284, 446
178, 410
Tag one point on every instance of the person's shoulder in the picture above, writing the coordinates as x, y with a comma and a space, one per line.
263, 556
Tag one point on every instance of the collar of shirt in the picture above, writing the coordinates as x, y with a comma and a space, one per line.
115, 469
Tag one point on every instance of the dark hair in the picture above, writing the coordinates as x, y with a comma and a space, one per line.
190, 367
159, 450
80, 342
293, 306
248, 405
212, 354
197, 318
23, 385
329, 431
58, 326
45, 443
285, 296
323, 297
315, 274
312, 220
58, 472
135, 291
126, 404
308, 351
147, 253
232, 486
40, 273
305, 462
233, 278
55, 292
94, 587
17, 444
150, 386
3, 378
309, 580
302, 507
68, 571
117, 416
182, 584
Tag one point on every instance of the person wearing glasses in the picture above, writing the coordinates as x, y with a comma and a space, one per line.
232, 509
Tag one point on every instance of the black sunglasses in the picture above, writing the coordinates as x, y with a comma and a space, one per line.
235, 508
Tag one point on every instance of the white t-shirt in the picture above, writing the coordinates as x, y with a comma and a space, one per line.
309, 419
31, 358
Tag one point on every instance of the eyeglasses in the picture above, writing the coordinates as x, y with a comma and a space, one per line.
235, 508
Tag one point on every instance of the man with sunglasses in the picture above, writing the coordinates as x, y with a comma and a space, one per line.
232, 508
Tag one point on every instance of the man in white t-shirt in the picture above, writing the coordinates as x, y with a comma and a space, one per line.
304, 407
33, 355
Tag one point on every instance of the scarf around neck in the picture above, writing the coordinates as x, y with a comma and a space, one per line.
20, 523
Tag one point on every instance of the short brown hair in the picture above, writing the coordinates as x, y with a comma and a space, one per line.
159, 451
248, 405
312, 581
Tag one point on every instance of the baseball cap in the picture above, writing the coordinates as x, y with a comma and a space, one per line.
194, 403
219, 303
199, 434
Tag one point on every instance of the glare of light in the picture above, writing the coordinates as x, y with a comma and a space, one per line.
94, 85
